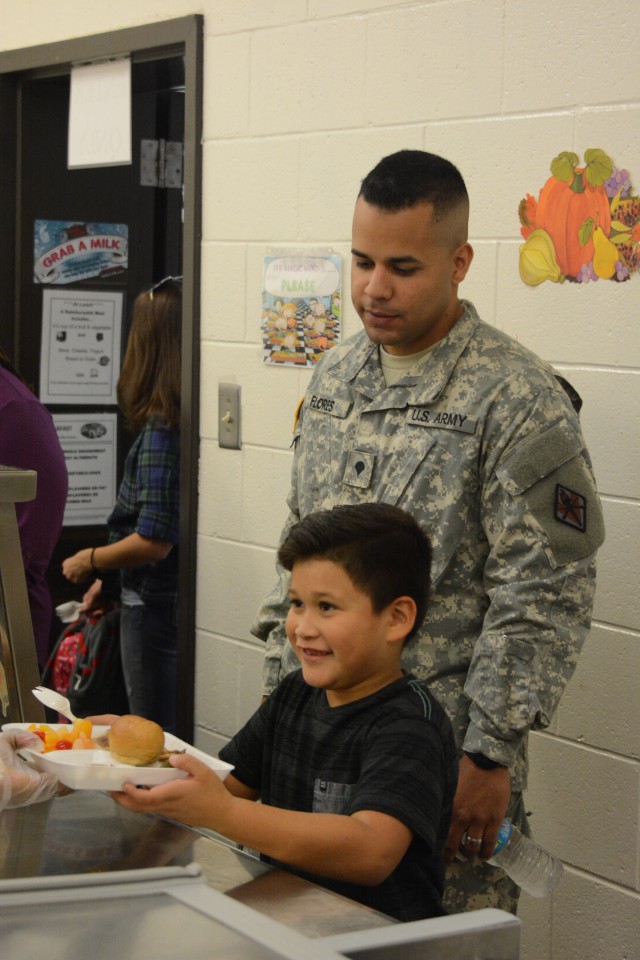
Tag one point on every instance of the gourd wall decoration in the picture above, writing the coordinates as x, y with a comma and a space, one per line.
585, 224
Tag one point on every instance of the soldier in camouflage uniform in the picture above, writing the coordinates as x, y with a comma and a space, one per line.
432, 410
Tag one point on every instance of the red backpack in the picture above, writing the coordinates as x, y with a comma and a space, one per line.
86, 667
62, 662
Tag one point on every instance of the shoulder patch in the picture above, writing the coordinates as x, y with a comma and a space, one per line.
565, 509
570, 508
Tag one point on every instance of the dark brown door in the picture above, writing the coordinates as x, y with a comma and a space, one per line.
101, 195
164, 226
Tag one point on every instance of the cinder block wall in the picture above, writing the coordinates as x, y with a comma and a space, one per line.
302, 97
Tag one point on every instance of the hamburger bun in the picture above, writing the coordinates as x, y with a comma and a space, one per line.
135, 741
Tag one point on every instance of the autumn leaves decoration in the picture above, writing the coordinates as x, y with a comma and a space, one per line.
585, 224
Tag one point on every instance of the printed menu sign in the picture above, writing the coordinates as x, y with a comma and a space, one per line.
89, 447
80, 356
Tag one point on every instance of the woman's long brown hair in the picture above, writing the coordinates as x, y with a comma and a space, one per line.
149, 383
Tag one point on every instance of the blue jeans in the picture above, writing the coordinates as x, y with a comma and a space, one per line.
149, 641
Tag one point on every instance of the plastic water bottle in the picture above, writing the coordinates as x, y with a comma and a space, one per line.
528, 864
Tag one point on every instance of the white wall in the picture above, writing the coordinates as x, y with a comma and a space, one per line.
302, 97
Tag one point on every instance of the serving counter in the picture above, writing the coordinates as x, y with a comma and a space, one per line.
87, 833
81, 877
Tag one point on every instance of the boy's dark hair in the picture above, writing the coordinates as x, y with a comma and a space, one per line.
409, 177
380, 547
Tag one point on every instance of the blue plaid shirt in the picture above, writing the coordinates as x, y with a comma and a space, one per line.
149, 504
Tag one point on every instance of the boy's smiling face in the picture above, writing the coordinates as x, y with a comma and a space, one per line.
343, 646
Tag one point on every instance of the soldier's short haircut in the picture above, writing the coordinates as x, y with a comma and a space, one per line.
409, 177
381, 548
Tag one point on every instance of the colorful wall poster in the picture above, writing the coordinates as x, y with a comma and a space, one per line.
89, 446
301, 309
80, 353
68, 251
583, 226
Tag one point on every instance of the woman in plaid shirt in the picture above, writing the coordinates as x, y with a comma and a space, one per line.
139, 564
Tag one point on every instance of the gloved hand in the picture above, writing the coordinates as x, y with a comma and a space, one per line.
19, 783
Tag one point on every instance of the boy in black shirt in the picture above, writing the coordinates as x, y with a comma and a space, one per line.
354, 761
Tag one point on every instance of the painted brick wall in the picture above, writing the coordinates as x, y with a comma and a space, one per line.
325, 90
302, 97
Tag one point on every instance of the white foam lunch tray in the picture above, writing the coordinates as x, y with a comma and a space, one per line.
97, 770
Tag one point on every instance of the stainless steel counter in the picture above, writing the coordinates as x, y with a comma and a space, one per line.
86, 833
80, 877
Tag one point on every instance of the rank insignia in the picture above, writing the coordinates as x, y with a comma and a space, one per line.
570, 508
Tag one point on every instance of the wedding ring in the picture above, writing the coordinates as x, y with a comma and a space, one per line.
472, 840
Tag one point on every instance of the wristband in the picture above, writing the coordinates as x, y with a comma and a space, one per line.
485, 763
93, 566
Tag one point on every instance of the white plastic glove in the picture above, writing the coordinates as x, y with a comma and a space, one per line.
19, 783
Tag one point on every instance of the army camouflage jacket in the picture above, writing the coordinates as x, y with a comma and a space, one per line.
482, 445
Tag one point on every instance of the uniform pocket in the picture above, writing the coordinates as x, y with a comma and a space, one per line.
551, 480
319, 443
501, 683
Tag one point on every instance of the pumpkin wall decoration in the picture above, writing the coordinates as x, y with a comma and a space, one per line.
585, 224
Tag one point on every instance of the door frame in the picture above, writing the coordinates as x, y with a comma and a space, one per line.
182, 36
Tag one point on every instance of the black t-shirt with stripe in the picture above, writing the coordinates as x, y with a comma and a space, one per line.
392, 752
